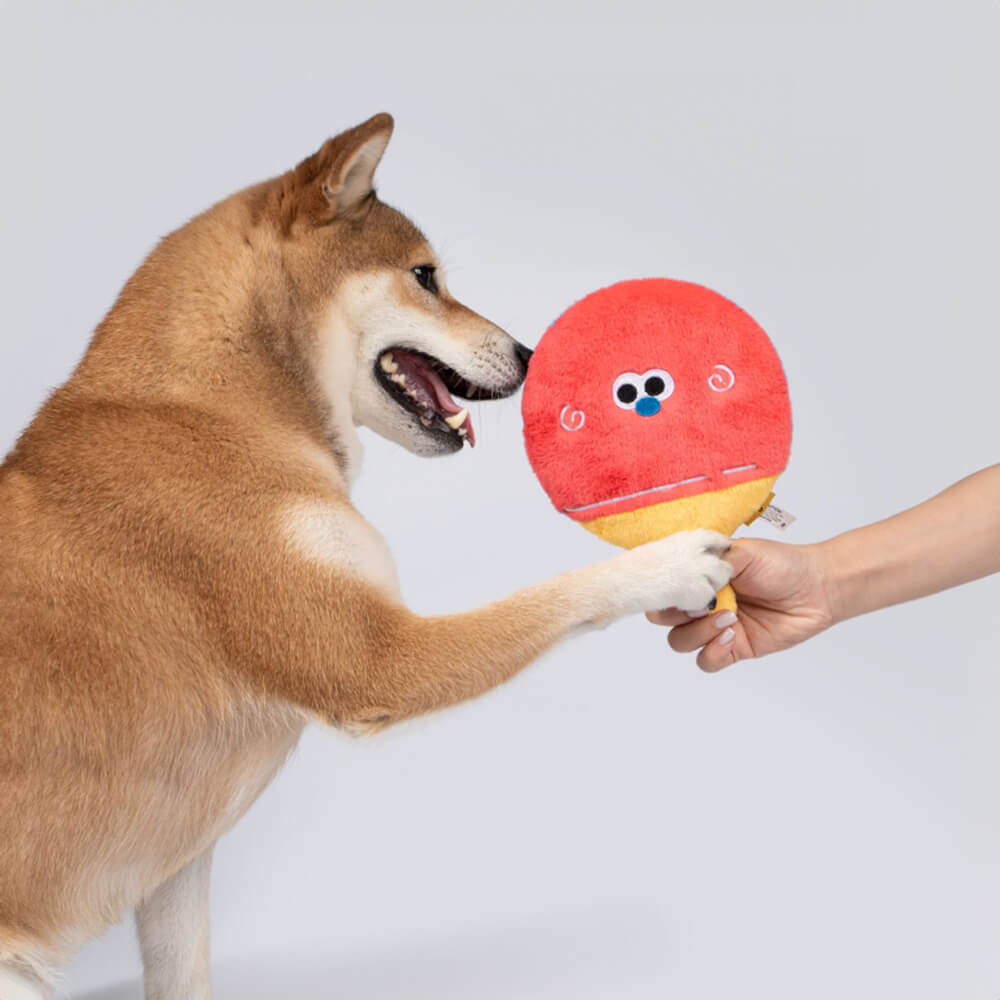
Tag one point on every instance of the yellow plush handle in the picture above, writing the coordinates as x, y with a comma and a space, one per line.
725, 600
721, 510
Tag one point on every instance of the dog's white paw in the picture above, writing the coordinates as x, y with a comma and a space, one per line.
683, 571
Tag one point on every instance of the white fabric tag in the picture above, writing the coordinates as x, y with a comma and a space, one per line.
781, 519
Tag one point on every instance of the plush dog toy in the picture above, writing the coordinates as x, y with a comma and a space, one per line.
657, 406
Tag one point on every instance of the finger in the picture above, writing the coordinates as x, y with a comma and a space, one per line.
728, 647
669, 616
739, 557
693, 635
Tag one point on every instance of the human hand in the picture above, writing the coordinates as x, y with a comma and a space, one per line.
783, 598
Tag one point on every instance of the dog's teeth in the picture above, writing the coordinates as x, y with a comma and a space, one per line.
398, 379
463, 432
388, 365
457, 419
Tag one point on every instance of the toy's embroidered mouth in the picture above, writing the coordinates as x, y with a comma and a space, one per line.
666, 487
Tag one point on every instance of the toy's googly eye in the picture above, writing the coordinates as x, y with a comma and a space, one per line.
657, 383
627, 389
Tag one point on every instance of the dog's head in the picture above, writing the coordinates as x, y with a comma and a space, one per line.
384, 331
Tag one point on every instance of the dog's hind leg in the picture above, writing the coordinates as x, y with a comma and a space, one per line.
173, 925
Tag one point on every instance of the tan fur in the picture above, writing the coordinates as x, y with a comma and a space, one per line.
184, 582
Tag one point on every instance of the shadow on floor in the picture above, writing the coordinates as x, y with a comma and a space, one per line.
588, 956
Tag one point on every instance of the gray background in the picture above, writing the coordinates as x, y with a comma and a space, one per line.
613, 823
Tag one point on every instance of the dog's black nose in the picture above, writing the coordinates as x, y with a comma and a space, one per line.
524, 353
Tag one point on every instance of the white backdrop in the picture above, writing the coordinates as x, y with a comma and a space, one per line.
824, 823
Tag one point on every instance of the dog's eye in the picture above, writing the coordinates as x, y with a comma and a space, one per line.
424, 274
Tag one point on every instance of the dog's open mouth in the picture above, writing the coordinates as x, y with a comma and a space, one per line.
423, 385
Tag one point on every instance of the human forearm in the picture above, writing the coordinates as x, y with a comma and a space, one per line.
950, 539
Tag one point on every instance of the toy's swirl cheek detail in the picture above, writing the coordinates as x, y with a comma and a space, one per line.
721, 379
570, 419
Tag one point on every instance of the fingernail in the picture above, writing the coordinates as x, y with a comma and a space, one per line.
698, 614
712, 603
727, 637
726, 618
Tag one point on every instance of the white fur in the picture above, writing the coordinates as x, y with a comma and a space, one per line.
367, 318
173, 926
339, 537
681, 571
336, 372
14, 986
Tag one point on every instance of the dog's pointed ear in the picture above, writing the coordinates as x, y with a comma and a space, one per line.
337, 180
350, 179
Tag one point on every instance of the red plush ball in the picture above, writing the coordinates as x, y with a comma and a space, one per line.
651, 391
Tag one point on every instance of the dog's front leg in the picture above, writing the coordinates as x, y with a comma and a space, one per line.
401, 665
173, 926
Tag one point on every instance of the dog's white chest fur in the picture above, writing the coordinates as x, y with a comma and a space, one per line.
340, 538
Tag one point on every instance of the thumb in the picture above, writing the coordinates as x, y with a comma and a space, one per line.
739, 556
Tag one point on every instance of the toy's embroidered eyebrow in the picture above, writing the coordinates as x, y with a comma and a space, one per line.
739, 468
632, 496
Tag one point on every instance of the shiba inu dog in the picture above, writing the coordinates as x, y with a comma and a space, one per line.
184, 583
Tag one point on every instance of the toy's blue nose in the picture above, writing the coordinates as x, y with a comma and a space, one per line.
647, 407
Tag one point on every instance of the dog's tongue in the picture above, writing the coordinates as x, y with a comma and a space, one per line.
430, 390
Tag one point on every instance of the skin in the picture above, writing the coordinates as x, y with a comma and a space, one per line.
789, 593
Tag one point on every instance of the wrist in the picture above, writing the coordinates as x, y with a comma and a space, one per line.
843, 576
828, 577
